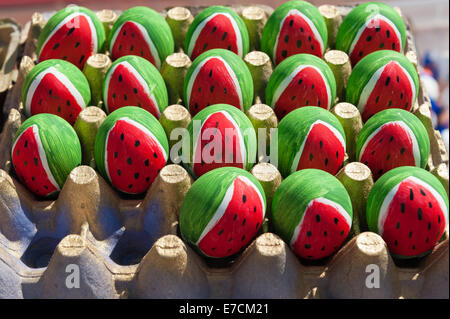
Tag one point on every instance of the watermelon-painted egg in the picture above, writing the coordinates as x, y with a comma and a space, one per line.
294, 27
222, 212
218, 76
72, 34
312, 212
57, 87
131, 148
382, 80
300, 80
370, 27
44, 152
217, 27
143, 32
132, 80
408, 207
390, 139
310, 137
219, 135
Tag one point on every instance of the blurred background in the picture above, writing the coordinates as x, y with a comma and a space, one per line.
429, 19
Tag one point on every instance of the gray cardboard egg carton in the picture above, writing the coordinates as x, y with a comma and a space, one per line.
91, 242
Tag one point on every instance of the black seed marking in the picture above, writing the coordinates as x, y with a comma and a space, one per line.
410, 234
323, 248
369, 38
26, 163
243, 222
423, 192
130, 186
204, 46
381, 140
146, 163
381, 45
235, 216
220, 232
286, 39
120, 78
211, 88
214, 248
230, 239
49, 92
419, 214
402, 150
196, 105
26, 144
390, 103
411, 194
132, 35
401, 95
366, 162
388, 33
36, 162
59, 109
307, 246
299, 43
293, 98
360, 53
413, 247
429, 225
125, 97
135, 90
326, 161
301, 30
312, 47
439, 219
396, 242
229, 250
291, 22
318, 218
210, 73
131, 47
142, 52
320, 144
312, 87
254, 209
116, 154
388, 79
309, 233
147, 179
137, 143
214, 29
336, 220
124, 32
199, 89
257, 225
393, 46
136, 175
406, 105
243, 238
311, 157
119, 172
377, 99
388, 157
224, 90
337, 154
380, 172
342, 233
70, 31
32, 178
55, 46
377, 29
318, 103
120, 47
155, 155
81, 58
325, 234
429, 205
224, 35
129, 161
284, 53
397, 225
398, 79
300, 81
114, 95
309, 39
307, 102
391, 139
427, 240
402, 207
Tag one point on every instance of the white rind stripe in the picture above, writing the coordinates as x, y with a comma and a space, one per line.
230, 71
224, 204
239, 134
370, 24
409, 133
62, 78
325, 201
284, 84
67, 19
308, 21
390, 196
367, 91
202, 24
42, 155
140, 127
146, 36
299, 153
140, 79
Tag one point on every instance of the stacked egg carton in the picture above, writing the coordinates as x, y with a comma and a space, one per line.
131, 248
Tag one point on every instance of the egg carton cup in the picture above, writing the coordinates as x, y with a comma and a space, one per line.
93, 242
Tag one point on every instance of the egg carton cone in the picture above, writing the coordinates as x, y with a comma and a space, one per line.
94, 242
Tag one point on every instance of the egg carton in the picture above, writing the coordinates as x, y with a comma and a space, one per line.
93, 242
